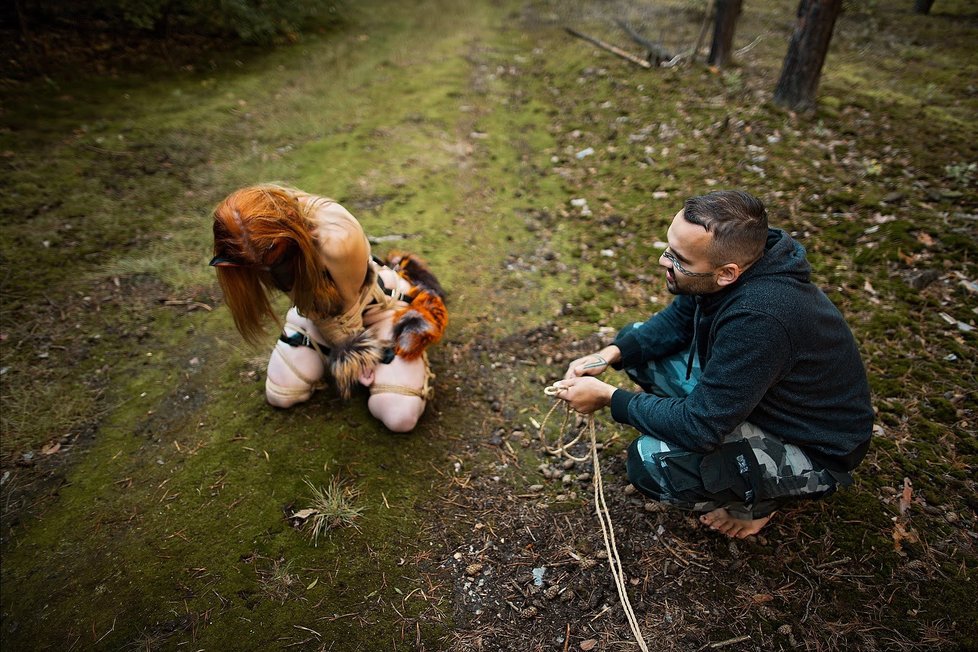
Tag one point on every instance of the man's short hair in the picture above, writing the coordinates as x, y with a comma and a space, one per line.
737, 220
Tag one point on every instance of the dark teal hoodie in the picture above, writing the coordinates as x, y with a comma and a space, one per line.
773, 350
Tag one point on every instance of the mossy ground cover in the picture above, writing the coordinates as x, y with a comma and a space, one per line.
147, 487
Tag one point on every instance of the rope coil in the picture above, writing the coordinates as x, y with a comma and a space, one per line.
600, 506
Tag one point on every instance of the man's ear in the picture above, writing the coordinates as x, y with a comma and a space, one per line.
728, 274
366, 377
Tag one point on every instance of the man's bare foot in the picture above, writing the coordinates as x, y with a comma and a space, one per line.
738, 528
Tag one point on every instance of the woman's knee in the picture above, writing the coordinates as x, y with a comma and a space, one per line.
398, 413
284, 397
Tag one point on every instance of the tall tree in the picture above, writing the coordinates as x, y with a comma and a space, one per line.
723, 31
802, 67
922, 6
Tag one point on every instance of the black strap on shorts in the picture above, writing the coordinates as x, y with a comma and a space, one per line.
299, 339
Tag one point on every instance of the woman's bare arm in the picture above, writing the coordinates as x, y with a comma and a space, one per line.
344, 247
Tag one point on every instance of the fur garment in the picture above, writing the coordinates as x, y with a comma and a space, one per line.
353, 357
421, 323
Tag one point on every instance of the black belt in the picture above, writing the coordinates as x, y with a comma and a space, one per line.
299, 339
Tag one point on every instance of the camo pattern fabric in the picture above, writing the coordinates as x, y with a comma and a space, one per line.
778, 473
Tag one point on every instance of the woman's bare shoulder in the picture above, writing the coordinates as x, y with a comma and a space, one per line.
338, 232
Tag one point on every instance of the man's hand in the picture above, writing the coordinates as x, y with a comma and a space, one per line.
585, 394
594, 364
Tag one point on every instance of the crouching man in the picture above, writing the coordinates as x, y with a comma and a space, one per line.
754, 394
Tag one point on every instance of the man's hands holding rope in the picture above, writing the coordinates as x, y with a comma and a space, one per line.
584, 393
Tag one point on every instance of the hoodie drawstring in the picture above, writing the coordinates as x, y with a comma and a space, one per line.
696, 332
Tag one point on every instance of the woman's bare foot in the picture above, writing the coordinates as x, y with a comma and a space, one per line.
721, 521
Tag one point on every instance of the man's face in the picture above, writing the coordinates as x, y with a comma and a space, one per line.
688, 247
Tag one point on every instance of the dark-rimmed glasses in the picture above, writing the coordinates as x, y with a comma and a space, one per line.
679, 266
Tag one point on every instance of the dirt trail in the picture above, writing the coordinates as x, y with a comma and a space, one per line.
169, 523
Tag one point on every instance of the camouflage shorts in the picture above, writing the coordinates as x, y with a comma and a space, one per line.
750, 474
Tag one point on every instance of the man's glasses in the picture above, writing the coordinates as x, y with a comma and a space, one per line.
679, 266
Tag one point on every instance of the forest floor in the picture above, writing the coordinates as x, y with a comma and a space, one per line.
148, 492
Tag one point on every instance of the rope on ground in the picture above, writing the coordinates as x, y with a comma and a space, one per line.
600, 506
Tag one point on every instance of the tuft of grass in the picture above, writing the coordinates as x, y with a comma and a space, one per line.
333, 506
278, 581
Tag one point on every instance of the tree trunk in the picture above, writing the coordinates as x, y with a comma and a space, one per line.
922, 6
723, 32
806, 53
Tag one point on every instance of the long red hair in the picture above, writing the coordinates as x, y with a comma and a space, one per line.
254, 227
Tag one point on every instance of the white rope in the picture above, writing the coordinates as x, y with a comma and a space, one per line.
600, 508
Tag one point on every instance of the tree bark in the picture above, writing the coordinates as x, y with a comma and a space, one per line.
922, 6
809, 44
723, 32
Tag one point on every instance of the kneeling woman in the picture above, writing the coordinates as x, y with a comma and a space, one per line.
353, 315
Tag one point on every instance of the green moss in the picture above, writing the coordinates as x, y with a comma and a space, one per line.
439, 122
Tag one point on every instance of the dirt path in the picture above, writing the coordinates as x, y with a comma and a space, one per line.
168, 522
147, 487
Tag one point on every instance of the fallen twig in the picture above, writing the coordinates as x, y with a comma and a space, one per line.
729, 641
187, 302
610, 48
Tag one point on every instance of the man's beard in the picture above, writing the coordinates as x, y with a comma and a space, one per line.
693, 286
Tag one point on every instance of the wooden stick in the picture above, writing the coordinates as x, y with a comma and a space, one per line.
610, 48
729, 641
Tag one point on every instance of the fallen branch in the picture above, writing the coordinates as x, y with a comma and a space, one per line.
190, 303
729, 641
657, 53
610, 48
747, 48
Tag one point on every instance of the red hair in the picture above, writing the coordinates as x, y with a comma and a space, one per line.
253, 228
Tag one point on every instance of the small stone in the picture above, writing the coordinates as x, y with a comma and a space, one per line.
567, 464
473, 569
567, 478
583, 477
951, 517
535, 487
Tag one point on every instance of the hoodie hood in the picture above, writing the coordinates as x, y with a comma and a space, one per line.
783, 258
783, 255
